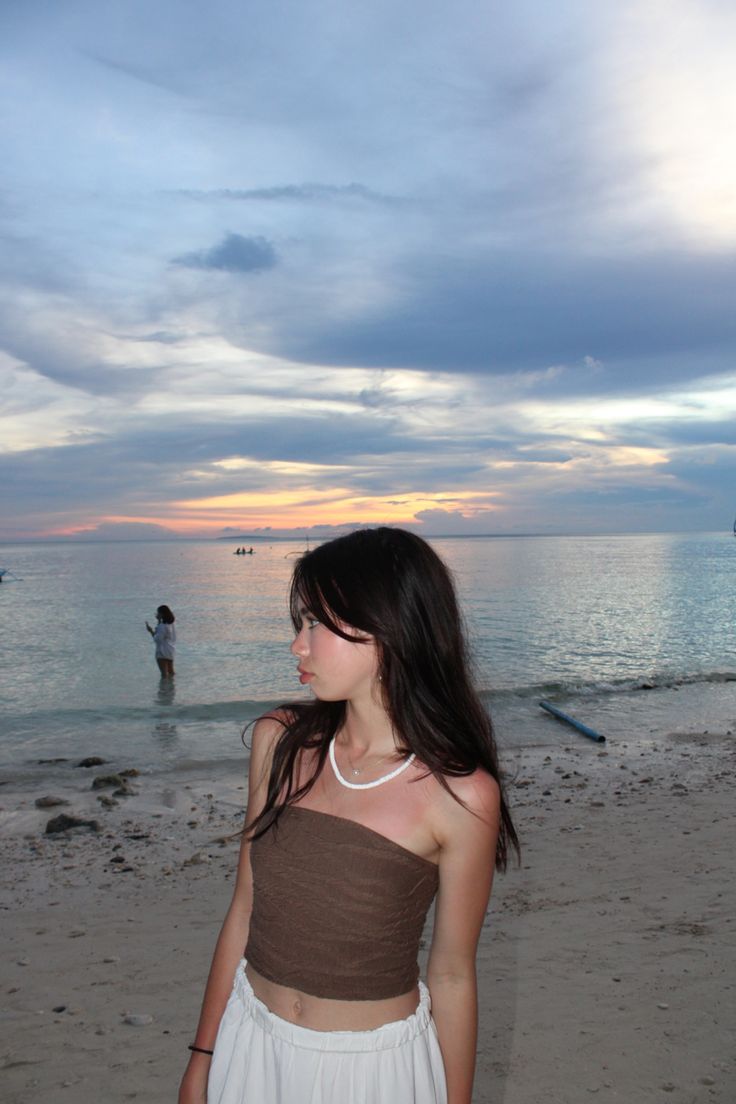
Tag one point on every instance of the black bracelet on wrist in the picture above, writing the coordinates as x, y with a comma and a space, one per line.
199, 1050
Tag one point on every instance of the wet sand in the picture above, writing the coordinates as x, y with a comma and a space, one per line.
606, 964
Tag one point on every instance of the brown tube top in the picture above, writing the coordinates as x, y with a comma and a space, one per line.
338, 909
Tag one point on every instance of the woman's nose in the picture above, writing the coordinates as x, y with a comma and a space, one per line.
299, 644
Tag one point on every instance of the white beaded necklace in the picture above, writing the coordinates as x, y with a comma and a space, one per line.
366, 785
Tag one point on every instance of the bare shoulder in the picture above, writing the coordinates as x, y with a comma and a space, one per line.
471, 808
478, 792
267, 730
265, 735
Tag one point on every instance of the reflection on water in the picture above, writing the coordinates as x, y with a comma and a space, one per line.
165, 732
166, 692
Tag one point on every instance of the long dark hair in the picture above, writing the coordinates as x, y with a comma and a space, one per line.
388, 583
166, 615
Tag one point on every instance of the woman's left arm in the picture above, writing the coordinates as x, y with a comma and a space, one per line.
467, 835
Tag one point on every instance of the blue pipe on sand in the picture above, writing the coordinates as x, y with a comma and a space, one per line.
590, 732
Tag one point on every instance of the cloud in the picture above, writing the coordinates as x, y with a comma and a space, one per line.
298, 193
501, 313
500, 263
233, 254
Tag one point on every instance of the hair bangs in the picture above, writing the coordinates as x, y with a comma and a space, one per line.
322, 598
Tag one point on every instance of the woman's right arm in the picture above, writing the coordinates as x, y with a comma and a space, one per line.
234, 932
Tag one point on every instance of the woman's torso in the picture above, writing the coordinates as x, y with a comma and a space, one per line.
402, 812
165, 639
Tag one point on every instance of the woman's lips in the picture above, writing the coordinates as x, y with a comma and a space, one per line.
304, 676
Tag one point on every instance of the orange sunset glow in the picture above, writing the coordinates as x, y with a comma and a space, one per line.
306, 507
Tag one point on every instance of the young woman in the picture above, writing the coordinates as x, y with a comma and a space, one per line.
363, 805
164, 637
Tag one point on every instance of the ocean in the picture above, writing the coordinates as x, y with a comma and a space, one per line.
627, 633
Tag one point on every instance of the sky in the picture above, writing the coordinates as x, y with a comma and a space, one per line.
288, 266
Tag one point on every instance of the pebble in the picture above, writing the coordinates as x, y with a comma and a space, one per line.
91, 761
663, 1006
48, 802
138, 1019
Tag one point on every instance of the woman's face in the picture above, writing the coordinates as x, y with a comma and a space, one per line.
336, 669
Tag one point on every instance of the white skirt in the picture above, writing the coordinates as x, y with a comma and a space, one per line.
262, 1059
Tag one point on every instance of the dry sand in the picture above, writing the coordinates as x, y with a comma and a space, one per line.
606, 962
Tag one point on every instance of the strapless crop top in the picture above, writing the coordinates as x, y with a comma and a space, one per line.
338, 909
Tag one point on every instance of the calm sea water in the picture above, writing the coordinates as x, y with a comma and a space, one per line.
585, 621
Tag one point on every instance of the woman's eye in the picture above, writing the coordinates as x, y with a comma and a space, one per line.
312, 622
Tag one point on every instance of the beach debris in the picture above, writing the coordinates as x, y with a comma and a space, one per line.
196, 859
138, 1019
48, 802
91, 761
66, 823
124, 790
586, 731
104, 781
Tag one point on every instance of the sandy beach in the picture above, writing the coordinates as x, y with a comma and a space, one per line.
606, 963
